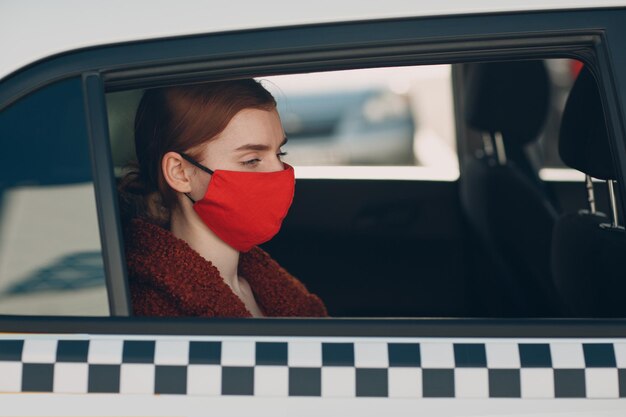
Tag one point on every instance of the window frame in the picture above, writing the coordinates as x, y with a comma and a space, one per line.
579, 34
106, 196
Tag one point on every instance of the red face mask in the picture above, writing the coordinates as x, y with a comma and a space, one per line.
245, 209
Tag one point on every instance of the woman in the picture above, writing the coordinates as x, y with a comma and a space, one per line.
208, 187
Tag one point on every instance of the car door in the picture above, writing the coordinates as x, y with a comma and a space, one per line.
346, 238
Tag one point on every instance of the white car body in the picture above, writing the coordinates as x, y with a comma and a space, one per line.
28, 33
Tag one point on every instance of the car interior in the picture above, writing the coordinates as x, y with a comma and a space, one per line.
490, 192
500, 241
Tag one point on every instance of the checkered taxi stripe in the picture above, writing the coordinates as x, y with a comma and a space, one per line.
406, 369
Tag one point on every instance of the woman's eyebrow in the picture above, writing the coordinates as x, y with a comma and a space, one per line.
257, 146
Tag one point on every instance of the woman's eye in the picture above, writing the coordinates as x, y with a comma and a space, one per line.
251, 161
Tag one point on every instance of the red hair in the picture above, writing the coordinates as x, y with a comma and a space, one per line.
178, 119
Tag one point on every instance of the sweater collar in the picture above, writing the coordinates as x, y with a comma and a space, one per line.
158, 258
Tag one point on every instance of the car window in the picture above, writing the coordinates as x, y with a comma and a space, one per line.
50, 253
442, 241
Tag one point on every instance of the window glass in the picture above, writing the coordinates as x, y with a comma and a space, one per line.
50, 253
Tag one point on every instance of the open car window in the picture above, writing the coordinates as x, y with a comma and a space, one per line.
382, 224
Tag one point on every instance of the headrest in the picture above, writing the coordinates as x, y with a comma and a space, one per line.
507, 97
584, 139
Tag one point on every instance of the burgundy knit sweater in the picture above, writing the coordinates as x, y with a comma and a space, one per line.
169, 278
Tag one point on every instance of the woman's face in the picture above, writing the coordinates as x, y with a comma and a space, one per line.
252, 142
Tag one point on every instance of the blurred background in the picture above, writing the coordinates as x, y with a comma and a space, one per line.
380, 116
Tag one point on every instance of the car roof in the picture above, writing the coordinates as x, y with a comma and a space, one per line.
29, 33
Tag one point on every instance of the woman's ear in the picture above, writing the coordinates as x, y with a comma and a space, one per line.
176, 172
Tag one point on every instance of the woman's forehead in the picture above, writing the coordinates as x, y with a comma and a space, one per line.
252, 129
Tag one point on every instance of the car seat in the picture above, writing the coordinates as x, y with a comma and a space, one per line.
505, 202
589, 246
